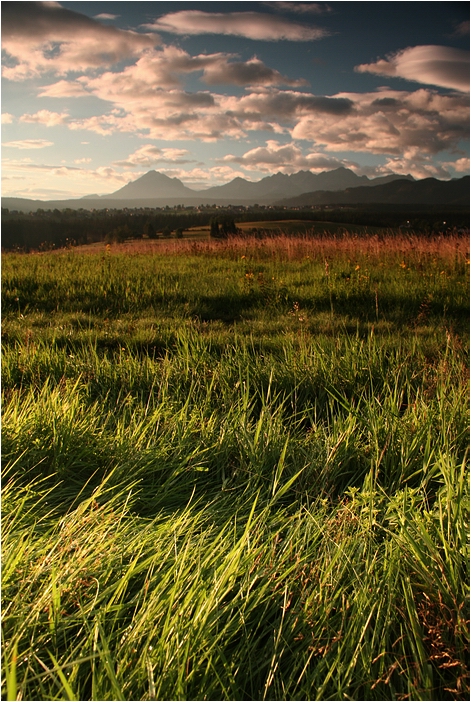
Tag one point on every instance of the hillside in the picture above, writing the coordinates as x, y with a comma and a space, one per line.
429, 191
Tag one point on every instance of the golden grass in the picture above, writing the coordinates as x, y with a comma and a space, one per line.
298, 247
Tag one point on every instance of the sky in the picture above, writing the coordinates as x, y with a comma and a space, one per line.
95, 94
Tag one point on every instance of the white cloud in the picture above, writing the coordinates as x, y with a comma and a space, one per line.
28, 144
417, 164
106, 16
461, 165
7, 118
285, 158
62, 89
80, 181
225, 173
47, 37
199, 178
49, 119
149, 155
104, 125
442, 66
251, 25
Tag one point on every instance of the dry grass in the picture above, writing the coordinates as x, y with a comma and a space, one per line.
299, 247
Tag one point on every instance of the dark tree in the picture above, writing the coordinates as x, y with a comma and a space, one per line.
214, 228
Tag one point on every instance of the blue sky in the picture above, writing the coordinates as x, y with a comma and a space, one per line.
95, 94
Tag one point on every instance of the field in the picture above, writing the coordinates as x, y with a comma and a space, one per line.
288, 227
237, 470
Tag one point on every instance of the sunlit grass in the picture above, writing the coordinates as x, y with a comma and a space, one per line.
238, 471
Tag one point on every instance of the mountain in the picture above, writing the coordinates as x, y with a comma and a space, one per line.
281, 185
241, 191
151, 185
429, 191
339, 186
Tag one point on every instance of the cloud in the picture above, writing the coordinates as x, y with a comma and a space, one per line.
284, 105
147, 99
462, 30
442, 66
415, 163
461, 165
382, 122
177, 114
245, 73
106, 16
39, 37
314, 8
285, 158
28, 144
391, 122
7, 118
164, 69
104, 125
251, 25
49, 119
63, 88
149, 155
80, 181
225, 173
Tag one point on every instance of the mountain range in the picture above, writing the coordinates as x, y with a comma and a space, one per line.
340, 187
241, 191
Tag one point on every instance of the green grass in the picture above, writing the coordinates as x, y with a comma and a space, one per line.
237, 471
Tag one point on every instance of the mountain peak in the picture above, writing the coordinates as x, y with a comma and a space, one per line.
152, 185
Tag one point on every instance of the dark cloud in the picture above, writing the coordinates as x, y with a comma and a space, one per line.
245, 73
303, 8
386, 102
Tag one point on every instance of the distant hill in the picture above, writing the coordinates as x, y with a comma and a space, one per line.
429, 191
339, 186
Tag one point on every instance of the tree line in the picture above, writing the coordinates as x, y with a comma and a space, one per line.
60, 228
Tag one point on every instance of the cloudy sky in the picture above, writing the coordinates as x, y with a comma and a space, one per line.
95, 94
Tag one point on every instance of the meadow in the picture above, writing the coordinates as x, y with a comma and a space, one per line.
237, 470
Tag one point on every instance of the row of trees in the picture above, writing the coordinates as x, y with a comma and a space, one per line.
59, 229
74, 227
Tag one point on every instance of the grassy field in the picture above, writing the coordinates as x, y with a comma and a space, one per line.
293, 226
237, 470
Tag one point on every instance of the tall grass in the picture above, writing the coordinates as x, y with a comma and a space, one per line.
241, 473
